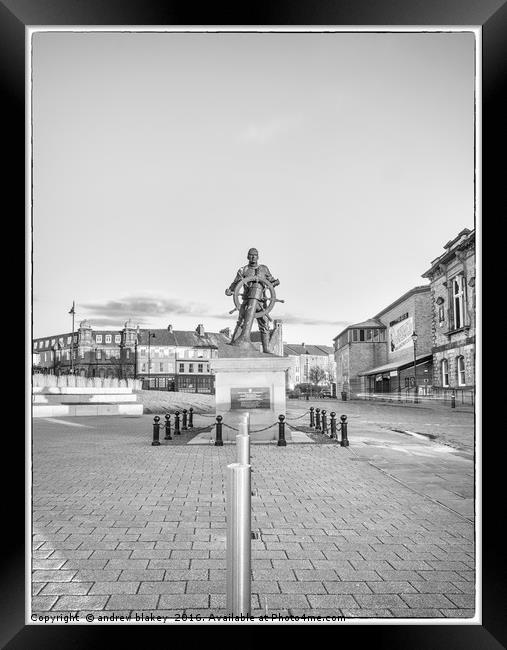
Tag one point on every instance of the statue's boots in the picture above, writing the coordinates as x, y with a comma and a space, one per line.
265, 342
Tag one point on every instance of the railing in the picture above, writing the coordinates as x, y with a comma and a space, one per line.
75, 381
437, 395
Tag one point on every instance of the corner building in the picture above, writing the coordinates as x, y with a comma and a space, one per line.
453, 304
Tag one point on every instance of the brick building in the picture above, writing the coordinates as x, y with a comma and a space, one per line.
452, 283
306, 357
166, 359
377, 355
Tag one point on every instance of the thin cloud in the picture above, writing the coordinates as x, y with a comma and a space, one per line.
262, 132
294, 319
140, 307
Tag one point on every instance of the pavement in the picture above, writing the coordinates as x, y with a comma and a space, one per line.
383, 528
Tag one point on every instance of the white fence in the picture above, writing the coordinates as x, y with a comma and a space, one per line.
74, 381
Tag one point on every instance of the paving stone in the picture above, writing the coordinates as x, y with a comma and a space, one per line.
422, 601
416, 613
91, 575
466, 601
53, 576
347, 587
140, 575
458, 613
298, 587
366, 613
333, 601
183, 601
374, 601
134, 602
392, 587
73, 603
265, 587
66, 588
118, 587
43, 603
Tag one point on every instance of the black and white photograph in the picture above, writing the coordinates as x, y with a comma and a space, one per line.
254, 280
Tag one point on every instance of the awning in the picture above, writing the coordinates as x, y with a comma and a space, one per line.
395, 366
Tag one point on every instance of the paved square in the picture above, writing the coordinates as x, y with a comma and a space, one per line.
121, 526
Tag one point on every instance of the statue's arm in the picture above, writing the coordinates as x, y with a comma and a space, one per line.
270, 277
230, 290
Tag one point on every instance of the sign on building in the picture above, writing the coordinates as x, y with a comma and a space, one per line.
400, 335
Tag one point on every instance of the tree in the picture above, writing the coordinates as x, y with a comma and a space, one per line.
317, 374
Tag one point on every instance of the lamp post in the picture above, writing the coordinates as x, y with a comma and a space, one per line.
150, 336
414, 339
135, 352
72, 311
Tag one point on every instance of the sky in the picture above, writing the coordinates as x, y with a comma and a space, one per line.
159, 159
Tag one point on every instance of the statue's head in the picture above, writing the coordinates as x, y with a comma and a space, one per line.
253, 256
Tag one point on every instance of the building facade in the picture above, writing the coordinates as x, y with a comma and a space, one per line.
380, 355
308, 357
453, 303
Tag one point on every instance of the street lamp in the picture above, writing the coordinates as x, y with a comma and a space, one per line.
135, 352
150, 336
414, 339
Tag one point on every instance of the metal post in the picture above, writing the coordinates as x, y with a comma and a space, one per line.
177, 431
453, 400
184, 425
324, 421
312, 417
238, 539
345, 441
156, 431
168, 427
317, 420
333, 424
190, 418
281, 432
218, 440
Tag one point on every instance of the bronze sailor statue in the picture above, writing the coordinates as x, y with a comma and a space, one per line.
257, 300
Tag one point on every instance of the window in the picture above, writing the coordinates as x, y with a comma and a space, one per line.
108, 354
445, 372
81, 354
60, 340
143, 367
53, 341
69, 339
458, 301
98, 338
108, 338
361, 335
98, 354
199, 367
127, 354
117, 338
161, 367
46, 343
460, 361
354, 335
182, 367
190, 367
35, 345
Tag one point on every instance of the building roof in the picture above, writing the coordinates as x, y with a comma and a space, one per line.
294, 349
395, 365
420, 289
180, 338
462, 240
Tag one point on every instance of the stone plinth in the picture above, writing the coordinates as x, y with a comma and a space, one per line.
253, 384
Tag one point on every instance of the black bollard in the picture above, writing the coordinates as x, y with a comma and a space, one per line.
333, 424
324, 421
168, 427
312, 417
184, 425
453, 400
317, 420
156, 431
190, 418
345, 441
177, 431
281, 431
218, 440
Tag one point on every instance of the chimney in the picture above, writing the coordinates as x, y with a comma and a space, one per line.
169, 328
200, 330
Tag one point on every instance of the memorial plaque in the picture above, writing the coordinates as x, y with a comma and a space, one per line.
250, 398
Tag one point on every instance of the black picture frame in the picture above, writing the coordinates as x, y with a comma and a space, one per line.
491, 15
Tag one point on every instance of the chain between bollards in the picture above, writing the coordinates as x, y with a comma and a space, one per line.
168, 427
156, 431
